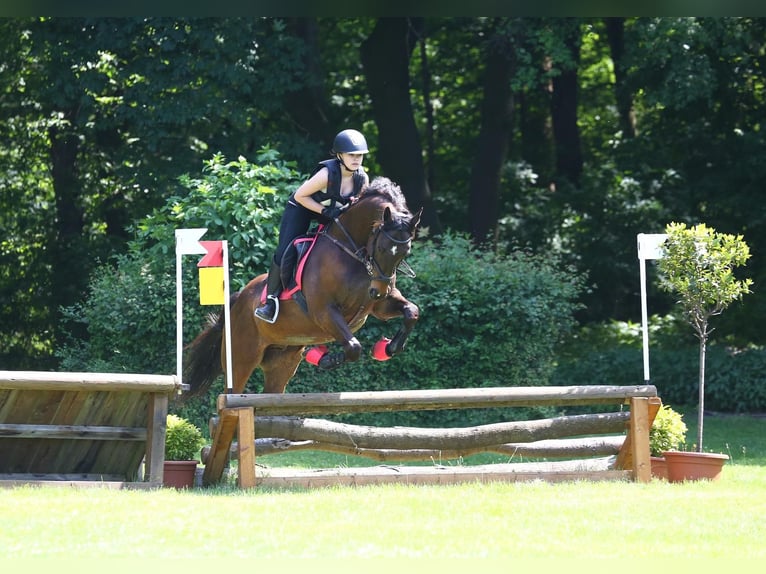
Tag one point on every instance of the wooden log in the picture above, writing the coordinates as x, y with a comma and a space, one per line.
51, 381
410, 400
594, 469
555, 448
408, 438
72, 432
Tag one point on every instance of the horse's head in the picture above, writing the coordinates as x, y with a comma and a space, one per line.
381, 221
387, 246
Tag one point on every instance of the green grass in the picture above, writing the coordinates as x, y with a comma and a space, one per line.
617, 520
533, 520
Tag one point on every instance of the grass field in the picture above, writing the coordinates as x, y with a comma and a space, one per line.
618, 521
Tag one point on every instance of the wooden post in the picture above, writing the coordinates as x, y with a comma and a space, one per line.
639, 432
246, 447
156, 425
219, 452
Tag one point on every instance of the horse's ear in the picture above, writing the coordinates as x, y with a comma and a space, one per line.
415, 221
387, 214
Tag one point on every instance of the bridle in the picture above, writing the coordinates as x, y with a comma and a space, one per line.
366, 254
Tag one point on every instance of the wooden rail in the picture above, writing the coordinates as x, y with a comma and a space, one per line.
411, 400
70, 428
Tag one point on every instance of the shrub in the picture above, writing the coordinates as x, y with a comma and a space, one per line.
610, 354
183, 440
486, 320
129, 318
668, 431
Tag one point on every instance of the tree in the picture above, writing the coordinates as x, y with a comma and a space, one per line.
495, 134
564, 102
615, 31
385, 55
698, 264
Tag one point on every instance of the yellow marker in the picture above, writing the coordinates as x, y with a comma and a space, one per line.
211, 291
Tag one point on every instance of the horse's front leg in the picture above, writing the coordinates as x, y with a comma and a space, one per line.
352, 348
395, 305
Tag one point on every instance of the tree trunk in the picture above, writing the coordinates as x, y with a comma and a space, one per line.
385, 58
68, 255
307, 107
615, 32
569, 162
492, 143
701, 413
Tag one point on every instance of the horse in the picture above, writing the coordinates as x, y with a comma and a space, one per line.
350, 274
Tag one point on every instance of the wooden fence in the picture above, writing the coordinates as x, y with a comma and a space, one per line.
624, 435
84, 428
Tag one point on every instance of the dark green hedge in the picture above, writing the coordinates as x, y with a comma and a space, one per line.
734, 382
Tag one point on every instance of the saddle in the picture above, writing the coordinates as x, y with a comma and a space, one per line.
293, 262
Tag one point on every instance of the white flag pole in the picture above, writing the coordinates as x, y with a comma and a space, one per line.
649, 247
179, 317
227, 316
187, 243
644, 319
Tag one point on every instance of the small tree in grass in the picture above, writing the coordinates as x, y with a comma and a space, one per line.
698, 264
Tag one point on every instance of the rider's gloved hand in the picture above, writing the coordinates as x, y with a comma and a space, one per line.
331, 213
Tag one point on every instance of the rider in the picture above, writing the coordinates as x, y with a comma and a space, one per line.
334, 183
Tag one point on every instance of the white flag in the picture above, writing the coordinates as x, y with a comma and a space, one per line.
649, 245
187, 241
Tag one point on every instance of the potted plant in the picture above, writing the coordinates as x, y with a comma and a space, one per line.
183, 442
668, 432
698, 264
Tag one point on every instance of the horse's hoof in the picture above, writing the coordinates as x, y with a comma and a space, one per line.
332, 360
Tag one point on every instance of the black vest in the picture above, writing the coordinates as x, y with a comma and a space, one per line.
330, 196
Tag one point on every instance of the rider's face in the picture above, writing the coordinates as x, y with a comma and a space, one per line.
352, 160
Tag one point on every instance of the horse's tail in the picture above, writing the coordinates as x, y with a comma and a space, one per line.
202, 358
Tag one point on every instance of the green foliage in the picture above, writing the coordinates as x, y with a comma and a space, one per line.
239, 201
183, 440
129, 320
129, 317
612, 354
486, 320
668, 431
698, 264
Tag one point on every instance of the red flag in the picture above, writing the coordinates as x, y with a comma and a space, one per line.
214, 257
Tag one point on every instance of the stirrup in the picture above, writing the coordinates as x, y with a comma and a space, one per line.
260, 311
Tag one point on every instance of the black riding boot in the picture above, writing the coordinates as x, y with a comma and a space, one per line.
270, 309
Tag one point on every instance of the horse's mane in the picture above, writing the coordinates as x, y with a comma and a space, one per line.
389, 191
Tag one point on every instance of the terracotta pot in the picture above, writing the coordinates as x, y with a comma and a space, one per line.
179, 473
694, 465
659, 467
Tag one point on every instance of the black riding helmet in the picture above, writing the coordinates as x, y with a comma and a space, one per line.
349, 141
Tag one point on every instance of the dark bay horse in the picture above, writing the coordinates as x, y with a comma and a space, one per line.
350, 274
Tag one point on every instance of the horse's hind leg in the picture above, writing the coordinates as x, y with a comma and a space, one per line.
279, 365
244, 360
